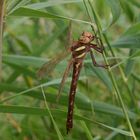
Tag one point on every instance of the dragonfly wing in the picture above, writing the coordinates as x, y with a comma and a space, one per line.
48, 67
65, 75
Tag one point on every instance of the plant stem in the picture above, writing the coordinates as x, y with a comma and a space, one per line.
1, 33
124, 108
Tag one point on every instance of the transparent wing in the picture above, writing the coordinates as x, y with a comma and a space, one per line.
65, 75
48, 67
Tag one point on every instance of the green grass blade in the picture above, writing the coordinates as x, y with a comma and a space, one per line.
50, 3
80, 99
131, 41
60, 137
59, 113
115, 9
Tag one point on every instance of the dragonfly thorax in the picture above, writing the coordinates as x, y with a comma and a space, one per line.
86, 37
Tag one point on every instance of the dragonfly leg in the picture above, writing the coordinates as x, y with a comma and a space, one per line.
95, 63
98, 49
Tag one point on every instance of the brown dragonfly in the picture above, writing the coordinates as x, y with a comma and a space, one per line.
78, 50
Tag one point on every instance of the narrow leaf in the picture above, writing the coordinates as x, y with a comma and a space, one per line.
115, 9
51, 3
58, 113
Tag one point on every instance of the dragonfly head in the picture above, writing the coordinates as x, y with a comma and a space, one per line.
86, 37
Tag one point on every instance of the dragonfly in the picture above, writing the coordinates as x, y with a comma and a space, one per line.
79, 49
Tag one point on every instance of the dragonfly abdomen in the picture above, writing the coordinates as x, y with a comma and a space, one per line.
76, 71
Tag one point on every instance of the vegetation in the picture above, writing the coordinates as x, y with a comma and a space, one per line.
107, 102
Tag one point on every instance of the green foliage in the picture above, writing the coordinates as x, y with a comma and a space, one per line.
107, 101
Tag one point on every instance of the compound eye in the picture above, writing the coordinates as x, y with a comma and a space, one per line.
89, 36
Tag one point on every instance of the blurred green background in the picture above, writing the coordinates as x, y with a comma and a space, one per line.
107, 104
